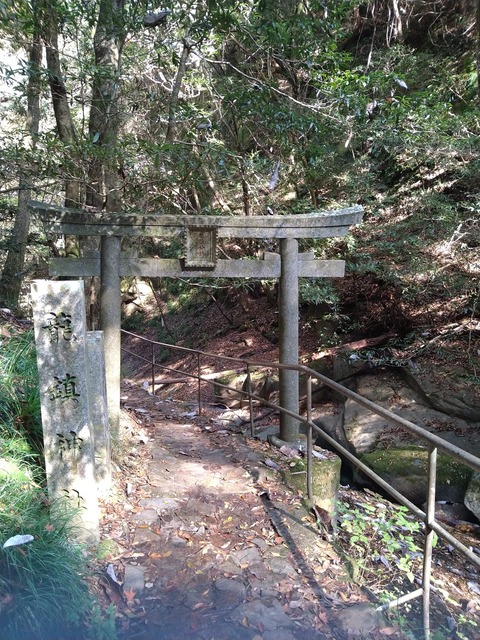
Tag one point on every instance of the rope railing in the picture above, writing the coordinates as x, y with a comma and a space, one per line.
434, 444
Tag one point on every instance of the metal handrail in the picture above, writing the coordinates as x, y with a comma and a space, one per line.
435, 443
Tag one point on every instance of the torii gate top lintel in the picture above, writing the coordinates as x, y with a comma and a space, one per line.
318, 224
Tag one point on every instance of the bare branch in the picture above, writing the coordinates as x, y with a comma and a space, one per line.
264, 85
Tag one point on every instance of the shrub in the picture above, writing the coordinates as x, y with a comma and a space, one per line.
19, 392
43, 589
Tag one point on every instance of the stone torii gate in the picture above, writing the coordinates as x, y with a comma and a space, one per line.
200, 235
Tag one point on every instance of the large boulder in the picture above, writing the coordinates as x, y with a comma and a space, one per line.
395, 454
405, 468
366, 431
472, 495
446, 394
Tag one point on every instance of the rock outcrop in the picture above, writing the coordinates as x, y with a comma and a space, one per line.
472, 495
400, 457
436, 403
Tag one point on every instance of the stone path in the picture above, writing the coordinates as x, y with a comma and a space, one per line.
220, 549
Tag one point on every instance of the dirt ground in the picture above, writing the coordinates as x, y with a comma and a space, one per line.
205, 541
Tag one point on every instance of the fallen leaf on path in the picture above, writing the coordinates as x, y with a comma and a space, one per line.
470, 606
289, 452
163, 554
194, 624
129, 595
113, 594
322, 617
184, 534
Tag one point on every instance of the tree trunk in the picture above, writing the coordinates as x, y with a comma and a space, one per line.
245, 186
63, 116
477, 22
12, 276
104, 182
182, 66
105, 186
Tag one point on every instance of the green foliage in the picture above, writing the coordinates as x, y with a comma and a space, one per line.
379, 538
43, 587
462, 627
19, 392
318, 291
133, 322
101, 623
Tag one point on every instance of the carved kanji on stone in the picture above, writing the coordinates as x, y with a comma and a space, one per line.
59, 325
64, 388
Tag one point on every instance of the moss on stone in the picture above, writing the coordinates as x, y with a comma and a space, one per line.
325, 480
107, 549
406, 469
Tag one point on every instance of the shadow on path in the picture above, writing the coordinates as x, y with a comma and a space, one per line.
218, 548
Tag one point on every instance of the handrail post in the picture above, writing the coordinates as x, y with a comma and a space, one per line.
153, 369
429, 538
199, 388
309, 440
250, 400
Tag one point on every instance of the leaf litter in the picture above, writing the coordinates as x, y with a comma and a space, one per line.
188, 547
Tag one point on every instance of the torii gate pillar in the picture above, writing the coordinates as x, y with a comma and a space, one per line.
288, 337
110, 323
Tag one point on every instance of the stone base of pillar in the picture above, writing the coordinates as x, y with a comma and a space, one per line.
325, 481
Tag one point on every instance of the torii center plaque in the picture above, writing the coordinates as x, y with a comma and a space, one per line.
201, 235
200, 247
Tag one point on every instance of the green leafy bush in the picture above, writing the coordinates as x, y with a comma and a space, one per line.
19, 392
381, 539
44, 593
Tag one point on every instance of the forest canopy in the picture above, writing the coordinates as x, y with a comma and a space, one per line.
253, 108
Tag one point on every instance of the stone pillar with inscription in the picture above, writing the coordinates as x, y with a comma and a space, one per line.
97, 393
60, 338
